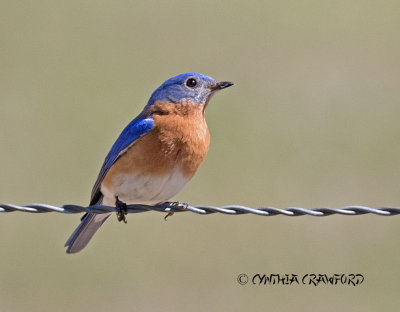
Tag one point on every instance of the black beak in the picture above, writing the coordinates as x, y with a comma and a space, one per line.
221, 85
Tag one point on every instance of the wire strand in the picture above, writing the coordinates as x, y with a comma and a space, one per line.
171, 207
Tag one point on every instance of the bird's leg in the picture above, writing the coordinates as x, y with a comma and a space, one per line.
121, 209
175, 205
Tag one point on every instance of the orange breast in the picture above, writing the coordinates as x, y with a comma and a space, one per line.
180, 139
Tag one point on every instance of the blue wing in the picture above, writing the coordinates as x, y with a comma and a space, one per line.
134, 130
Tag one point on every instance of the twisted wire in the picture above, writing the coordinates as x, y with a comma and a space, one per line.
169, 207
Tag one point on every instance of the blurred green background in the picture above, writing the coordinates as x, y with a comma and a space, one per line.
312, 121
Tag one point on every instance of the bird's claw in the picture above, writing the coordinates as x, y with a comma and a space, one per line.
121, 209
175, 205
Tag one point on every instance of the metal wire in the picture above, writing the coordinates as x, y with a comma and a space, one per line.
204, 210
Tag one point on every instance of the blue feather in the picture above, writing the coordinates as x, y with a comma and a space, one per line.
133, 131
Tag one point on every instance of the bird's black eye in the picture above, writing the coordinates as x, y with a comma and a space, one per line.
191, 82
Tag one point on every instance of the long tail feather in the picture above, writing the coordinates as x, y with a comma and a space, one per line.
84, 232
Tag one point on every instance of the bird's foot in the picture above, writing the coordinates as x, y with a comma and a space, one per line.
121, 209
175, 205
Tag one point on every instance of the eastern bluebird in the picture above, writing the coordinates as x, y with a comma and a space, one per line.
156, 154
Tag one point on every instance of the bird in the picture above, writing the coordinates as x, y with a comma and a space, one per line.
156, 154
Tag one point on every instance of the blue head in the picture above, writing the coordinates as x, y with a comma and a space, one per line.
195, 87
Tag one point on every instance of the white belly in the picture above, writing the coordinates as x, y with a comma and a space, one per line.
140, 189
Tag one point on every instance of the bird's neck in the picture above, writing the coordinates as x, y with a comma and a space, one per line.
185, 108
